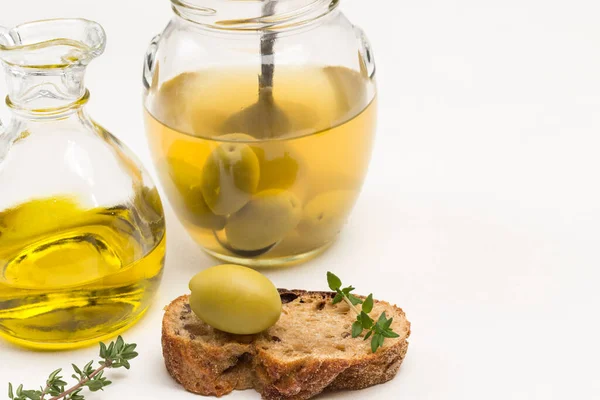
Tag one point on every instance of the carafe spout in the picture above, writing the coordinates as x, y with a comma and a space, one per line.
5, 37
52, 43
45, 62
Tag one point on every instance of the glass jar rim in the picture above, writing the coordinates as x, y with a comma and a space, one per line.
250, 15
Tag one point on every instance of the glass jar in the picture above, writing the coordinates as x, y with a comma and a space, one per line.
261, 117
82, 232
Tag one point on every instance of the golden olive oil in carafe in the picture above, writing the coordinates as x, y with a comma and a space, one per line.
70, 276
263, 200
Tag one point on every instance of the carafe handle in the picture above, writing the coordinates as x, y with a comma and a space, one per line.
150, 62
366, 52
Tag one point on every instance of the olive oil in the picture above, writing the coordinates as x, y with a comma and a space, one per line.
228, 185
70, 276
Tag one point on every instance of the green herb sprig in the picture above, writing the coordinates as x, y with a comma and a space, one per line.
377, 331
116, 355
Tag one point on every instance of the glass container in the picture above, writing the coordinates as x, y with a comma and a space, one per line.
82, 232
261, 118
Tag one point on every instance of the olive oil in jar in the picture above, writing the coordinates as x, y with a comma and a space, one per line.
270, 199
71, 276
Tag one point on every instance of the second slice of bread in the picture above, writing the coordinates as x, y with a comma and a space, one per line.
309, 350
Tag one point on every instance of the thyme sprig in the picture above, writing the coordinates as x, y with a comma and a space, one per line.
376, 330
116, 355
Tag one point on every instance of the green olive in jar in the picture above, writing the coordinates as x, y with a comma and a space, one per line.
264, 221
324, 216
280, 166
187, 179
235, 299
230, 177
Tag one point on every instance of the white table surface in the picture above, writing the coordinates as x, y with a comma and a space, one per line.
480, 216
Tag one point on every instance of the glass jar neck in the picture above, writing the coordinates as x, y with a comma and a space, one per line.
253, 15
45, 90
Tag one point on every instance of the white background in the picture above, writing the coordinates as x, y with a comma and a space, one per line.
480, 216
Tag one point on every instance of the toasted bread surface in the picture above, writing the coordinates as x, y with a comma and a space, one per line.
308, 351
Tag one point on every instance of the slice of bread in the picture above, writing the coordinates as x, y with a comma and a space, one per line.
308, 351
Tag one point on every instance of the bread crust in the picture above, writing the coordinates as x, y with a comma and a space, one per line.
238, 363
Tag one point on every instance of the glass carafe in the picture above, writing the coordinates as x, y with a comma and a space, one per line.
82, 233
261, 117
